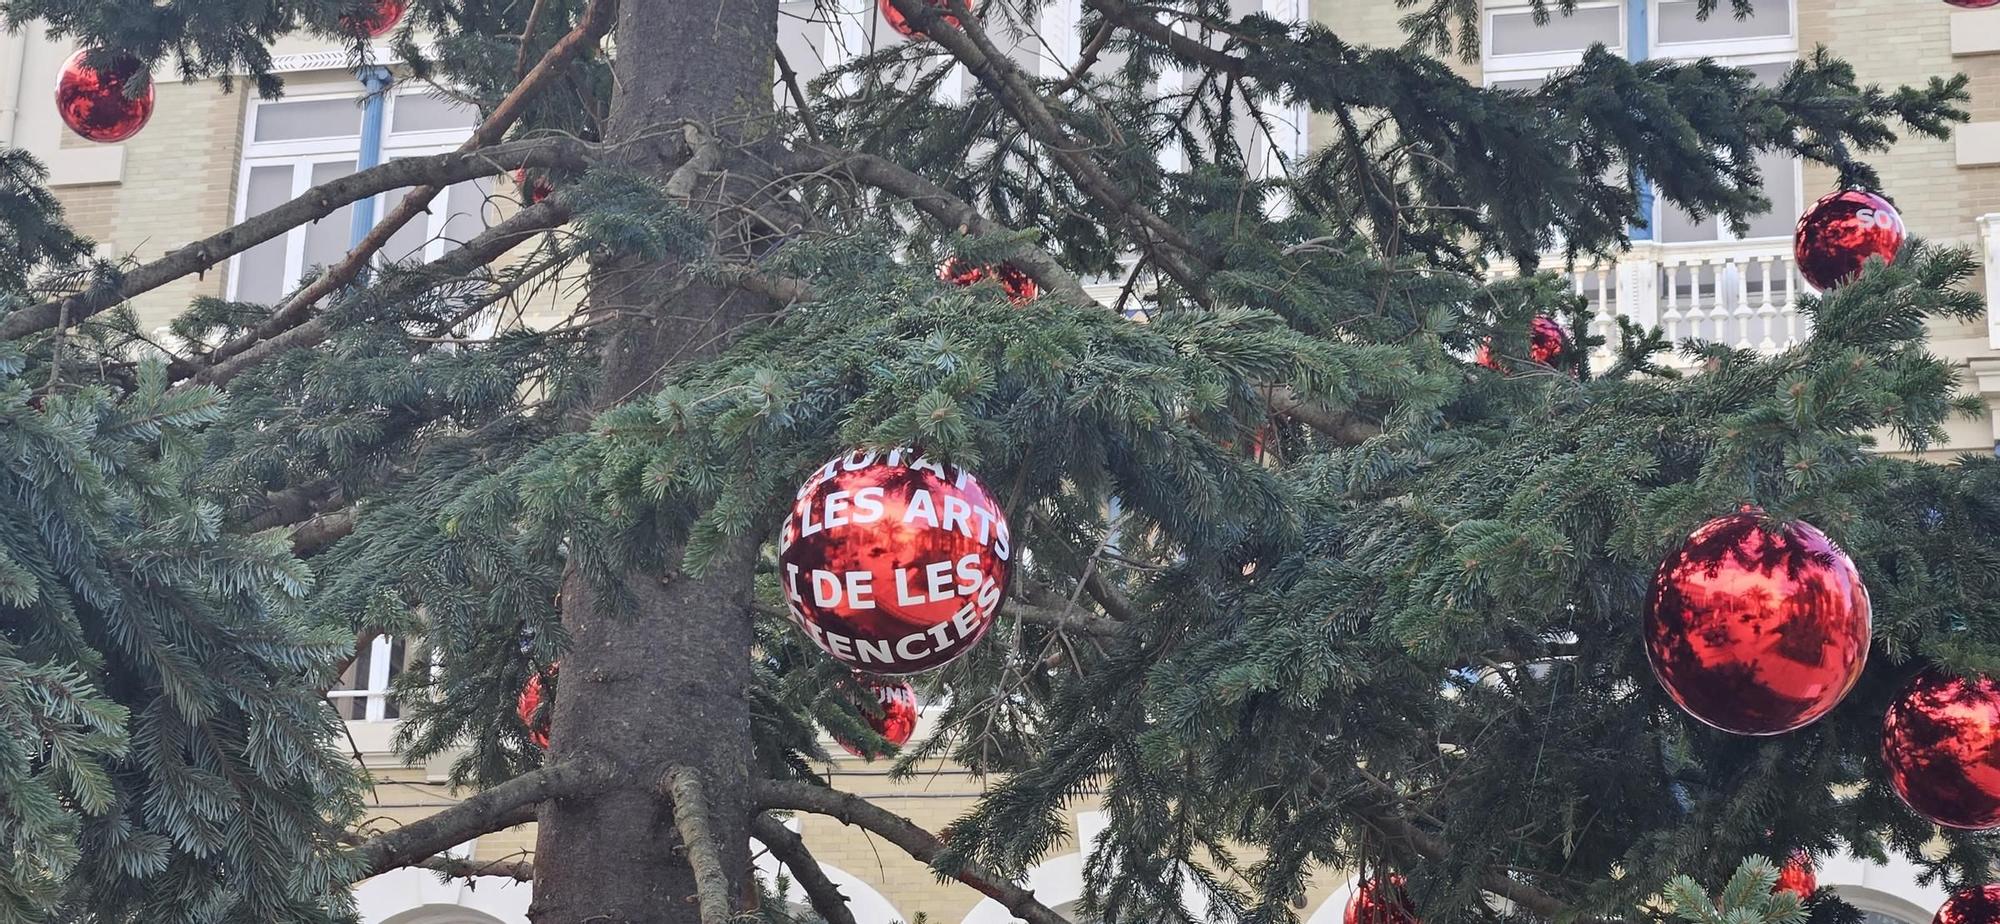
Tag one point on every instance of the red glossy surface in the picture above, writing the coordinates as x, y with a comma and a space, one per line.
1840, 232
1797, 877
1941, 744
540, 188
1757, 633
1376, 903
897, 21
894, 563
1019, 286
1970, 905
1547, 340
386, 15
93, 102
529, 705
896, 719
1974, 4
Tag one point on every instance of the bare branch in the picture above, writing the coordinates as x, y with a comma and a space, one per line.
691, 817
790, 849
1348, 428
520, 870
486, 812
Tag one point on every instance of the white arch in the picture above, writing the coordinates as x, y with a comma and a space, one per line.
868, 905
1059, 880
410, 895
1334, 909
1889, 888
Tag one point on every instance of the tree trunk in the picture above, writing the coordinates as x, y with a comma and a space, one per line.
664, 684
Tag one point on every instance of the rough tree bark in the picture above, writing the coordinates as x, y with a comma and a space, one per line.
663, 683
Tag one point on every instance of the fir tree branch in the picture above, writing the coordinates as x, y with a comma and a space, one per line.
1347, 428
790, 849
312, 205
915, 841
482, 813
691, 817
519, 870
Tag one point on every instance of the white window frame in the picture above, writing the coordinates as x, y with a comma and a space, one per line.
1497, 68
1722, 50
303, 154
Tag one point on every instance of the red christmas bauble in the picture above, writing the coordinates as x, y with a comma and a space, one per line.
1755, 632
897, 21
1547, 341
896, 721
1941, 744
378, 22
1019, 286
1840, 232
536, 190
1797, 876
1974, 4
530, 704
1971, 905
894, 563
93, 102
1377, 901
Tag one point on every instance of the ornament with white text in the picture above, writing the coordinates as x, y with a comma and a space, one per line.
530, 707
896, 719
894, 563
1757, 632
382, 17
96, 102
1941, 744
1970, 905
1547, 342
1797, 876
1380, 901
1974, 4
1840, 232
897, 21
1019, 286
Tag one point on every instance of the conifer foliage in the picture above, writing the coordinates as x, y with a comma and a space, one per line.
1302, 589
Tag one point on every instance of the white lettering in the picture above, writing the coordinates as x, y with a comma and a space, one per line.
968, 573
861, 590
937, 577
904, 651
826, 588
867, 505
872, 651
806, 525
922, 506
985, 524
859, 459
836, 509
792, 582
924, 464
967, 622
958, 515
903, 595
841, 646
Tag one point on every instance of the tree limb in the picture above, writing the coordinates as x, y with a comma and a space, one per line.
520, 870
691, 817
488, 811
918, 843
790, 849
1346, 427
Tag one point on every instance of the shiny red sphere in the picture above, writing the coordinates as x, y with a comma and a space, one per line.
529, 707
1941, 744
897, 21
94, 103
1970, 905
1756, 632
1797, 876
1547, 341
894, 563
896, 718
1019, 286
1840, 232
1377, 901
533, 190
1974, 4
378, 22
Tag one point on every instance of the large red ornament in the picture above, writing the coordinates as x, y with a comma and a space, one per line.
1019, 286
1797, 876
1380, 901
894, 563
530, 704
378, 22
1974, 4
1941, 743
94, 103
897, 719
1755, 632
1547, 341
897, 21
1840, 232
1970, 905
534, 190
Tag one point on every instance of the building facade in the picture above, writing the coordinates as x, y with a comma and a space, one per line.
211, 158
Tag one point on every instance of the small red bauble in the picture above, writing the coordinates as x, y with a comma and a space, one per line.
378, 22
1941, 743
897, 21
530, 704
897, 719
536, 190
94, 103
1970, 905
894, 563
1797, 876
1840, 232
1974, 4
1019, 286
1756, 632
1380, 901
1547, 341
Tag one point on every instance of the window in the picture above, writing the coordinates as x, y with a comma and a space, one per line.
297, 143
362, 693
1520, 53
1781, 186
1680, 32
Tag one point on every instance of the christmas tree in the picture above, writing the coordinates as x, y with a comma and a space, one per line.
1404, 635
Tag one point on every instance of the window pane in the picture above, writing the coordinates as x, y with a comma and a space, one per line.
408, 241
327, 239
1678, 22
466, 215
1781, 185
1769, 75
321, 118
260, 271
422, 112
1677, 227
1517, 34
1525, 86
